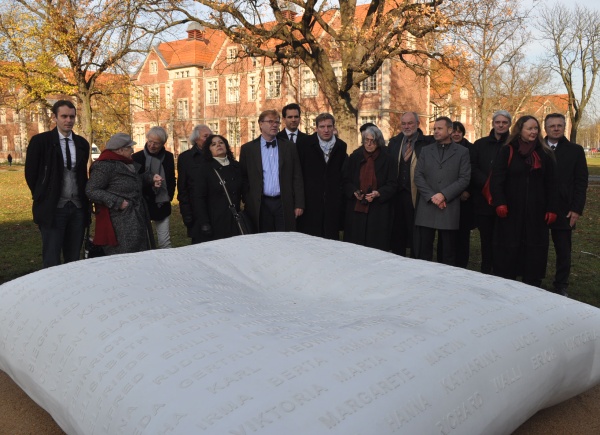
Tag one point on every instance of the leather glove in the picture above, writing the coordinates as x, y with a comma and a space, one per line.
550, 218
502, 211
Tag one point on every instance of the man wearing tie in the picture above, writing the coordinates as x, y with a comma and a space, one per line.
291, 119
56, 173
572, 177
272, 192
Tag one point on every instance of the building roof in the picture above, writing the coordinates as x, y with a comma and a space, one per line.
191, 52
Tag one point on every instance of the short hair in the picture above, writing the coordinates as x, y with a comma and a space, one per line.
268, 112
322, 117
445, 119
196, 133
555, 115
291, 106
457, 125
415, 114
504, 113
377, 135
206, 148
365, 126
159, 132
61, 103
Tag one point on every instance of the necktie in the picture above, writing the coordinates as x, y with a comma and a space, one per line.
292, 136
272, 144
68, 153
553, 147
408, 151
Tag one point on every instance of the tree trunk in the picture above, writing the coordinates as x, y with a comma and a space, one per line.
346, 118
84, 113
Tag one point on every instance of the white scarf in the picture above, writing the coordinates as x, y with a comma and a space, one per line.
224, 161
326, 146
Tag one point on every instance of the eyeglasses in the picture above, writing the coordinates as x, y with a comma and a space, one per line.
271, 122
368, 140
150, 142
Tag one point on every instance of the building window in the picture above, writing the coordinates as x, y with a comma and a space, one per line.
309, 124
251, 130
337, 71
168, 96
214, 126
273, 83
310, 88
17, 139
255, 62
437, 112
233, 132
212, 91
233, 89
182, 109
4, 143
411, 41
154, 97
183, 146
252, 87
369, 84
138, 98
368, 118
464, 93
232, 54
153, 67
140, 134
463, 114
2, 116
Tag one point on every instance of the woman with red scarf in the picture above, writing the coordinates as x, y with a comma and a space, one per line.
370, 182
524, 192
115, 187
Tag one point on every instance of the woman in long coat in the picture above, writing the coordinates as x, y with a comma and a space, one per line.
213, 218
370, 181
115, 187
525, 197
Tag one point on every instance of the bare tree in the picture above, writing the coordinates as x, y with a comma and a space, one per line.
320, 33
572, 37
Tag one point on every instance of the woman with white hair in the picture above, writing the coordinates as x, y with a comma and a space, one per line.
370, 181
154, 158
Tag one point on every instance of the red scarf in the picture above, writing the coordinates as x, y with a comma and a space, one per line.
104, 234
367, 178
529, 154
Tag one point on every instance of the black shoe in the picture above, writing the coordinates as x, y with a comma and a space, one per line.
562, 292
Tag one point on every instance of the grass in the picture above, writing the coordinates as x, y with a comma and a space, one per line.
21, 242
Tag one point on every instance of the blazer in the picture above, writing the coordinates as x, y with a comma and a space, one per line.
300, 140
44, 167
290, 180
450, 176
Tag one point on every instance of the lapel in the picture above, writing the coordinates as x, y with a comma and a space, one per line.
57, 151
257, 156
449, 152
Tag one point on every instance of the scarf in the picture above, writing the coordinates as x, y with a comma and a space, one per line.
529, 154
326, 146
224, 161
367, 178
154, 165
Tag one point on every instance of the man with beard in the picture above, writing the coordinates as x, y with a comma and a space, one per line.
405, 149
572, 177
321, 160
483, 153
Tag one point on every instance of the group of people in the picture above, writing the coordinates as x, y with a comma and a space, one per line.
514, 186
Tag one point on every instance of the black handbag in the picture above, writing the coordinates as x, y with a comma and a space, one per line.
90, 250
243, 221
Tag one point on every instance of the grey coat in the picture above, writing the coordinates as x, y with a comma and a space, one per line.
112, 182
450, 176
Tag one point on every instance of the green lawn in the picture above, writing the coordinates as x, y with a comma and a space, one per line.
21, 244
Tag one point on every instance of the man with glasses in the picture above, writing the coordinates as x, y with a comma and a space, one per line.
405, 149
273, 191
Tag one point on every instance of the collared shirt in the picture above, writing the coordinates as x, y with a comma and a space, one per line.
71, 149
270, 164
552, 145
288, 132
69, 192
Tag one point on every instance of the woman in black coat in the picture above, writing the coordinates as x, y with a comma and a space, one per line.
525, 197
370, 181
213, 218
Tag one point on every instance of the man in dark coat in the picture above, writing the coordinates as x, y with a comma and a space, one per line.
187, 162
322, 157
291, 119
572, 178
441, 176
56, 173
483, 153
273, 191
405, 149
156, 159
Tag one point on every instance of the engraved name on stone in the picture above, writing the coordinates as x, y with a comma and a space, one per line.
507, 378
586, 337
408, 411
459, 414
465, 372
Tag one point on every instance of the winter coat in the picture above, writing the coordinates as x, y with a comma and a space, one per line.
158, 213
467, 216
483, 153
323, 194
209, 202
188, 163
372, 229
112, 182
521, 238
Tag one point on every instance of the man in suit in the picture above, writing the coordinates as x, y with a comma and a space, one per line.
291, 119
321, 159
441, 176
187, 162
273, 192
405, 149
56, 173
572, 176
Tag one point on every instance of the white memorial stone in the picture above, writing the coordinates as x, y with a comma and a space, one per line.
289, 334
